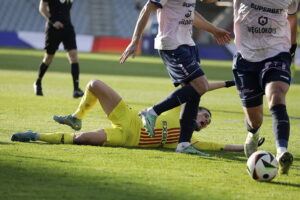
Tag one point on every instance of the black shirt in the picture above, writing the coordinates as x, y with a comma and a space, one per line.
60, 10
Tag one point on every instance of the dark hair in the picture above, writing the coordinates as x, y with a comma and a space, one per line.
200, 108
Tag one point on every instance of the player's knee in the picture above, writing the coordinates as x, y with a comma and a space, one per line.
276, 97
255, 123
94, 84
80, 138
48, 59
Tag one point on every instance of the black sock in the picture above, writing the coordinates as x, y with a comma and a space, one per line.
178, 97
188, 119
281, 125
42, 70
75, 75
249, 128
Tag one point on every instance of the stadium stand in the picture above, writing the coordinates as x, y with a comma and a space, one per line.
19, 15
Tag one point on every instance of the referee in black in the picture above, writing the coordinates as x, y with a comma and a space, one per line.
59, 29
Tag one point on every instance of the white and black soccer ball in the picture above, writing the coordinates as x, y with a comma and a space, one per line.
262, 166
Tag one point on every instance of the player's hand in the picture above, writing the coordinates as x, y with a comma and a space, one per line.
58, 25
222, 36
131, 50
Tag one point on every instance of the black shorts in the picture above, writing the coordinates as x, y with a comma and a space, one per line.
252, 77
54, 37
182, 64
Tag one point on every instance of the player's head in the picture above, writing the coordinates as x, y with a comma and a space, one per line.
203, 118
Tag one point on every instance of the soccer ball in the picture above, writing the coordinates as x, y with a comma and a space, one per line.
262, 166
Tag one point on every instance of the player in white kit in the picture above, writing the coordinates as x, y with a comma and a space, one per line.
179, 53
262, 66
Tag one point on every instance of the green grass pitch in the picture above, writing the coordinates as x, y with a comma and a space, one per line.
42, 171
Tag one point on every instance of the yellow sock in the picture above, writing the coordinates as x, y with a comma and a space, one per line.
87, 102
57, 138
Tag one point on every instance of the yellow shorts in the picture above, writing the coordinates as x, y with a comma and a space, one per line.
126, 127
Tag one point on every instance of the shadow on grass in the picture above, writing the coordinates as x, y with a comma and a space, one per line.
6, 143
284, 183
213, 155
43, 180
41, 159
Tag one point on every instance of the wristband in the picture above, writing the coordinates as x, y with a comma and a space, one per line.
229, 83
293, 50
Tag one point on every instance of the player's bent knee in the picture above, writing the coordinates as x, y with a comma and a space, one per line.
93, 84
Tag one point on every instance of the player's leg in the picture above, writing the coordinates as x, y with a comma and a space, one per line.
253, 121
247, 79
52, 138
70, 45
275, 93
47, 60
52, 41
73, 59
183, 68
97, 137
95, 90
277, 81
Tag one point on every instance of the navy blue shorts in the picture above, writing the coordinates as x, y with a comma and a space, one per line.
182, 64
252, 77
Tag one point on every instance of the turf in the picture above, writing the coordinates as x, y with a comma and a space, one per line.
43, 171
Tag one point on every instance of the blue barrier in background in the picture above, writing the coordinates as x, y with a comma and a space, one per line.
11, 39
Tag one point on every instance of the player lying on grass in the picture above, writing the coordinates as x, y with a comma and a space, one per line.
127, 128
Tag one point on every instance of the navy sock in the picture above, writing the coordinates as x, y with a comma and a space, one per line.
188, 119
75, 75
42, 70
281, 125
249, 128
178, 97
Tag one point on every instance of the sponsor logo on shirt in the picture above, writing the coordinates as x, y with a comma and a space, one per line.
262, 20
266, 9
188, 14
259, 30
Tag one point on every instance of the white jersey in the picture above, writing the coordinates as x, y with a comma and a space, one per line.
175, 23
261, 27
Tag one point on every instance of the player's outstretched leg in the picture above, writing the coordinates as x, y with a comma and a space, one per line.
285, 161
69, 120
24, 137
148, 118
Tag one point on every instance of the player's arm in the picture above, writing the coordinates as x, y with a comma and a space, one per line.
44, 10
293, 20
221, 84
222, 36
211, 146
138, 31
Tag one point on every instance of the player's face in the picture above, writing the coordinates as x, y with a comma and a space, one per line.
203, 120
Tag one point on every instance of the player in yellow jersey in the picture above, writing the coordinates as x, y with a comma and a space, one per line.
127, 129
